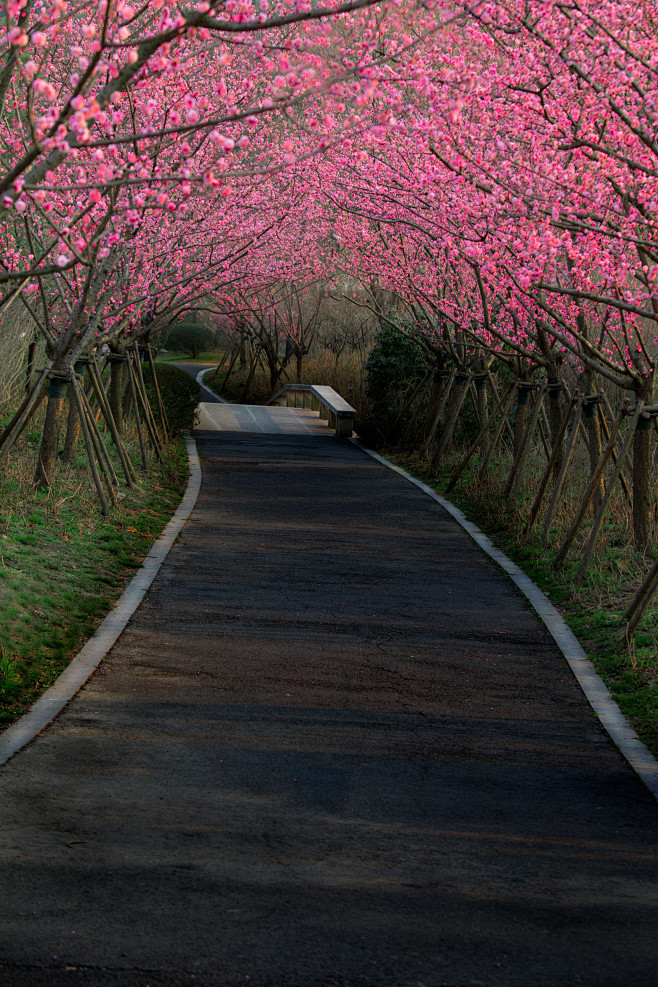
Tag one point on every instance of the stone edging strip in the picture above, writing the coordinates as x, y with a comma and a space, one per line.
596, 692
199, 380
74, 676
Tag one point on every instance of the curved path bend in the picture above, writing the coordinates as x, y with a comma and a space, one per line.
334, 746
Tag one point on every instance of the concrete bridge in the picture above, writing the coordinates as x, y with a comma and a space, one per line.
333, 746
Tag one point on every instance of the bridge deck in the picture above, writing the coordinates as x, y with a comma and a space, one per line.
333, 748
261, 419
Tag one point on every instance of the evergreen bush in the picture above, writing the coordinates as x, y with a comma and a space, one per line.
190, 338
180, 396
394, 368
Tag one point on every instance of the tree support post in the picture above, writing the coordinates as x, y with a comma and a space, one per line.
593, 485
465, 461
598, 520
446, 434
550, 467
568, 453
106, 411
27, 409
518, 466
138, 420
504, 420
158, 395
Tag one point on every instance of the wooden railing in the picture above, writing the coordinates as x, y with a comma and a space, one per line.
328, 403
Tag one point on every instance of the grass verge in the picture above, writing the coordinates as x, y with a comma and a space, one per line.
592, 608
63, 565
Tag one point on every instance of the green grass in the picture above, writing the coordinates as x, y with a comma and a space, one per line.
63, 565
211, 356
592, 608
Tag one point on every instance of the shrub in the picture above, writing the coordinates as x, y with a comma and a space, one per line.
394, 368
180, 396
187, 337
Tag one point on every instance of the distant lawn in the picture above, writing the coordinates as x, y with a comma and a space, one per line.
212, 356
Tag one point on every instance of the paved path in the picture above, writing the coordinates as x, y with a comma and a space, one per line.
333, 747
257, 418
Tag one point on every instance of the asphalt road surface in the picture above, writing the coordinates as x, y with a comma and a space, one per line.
334, 746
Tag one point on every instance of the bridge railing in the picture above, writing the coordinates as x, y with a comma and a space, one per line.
328, 403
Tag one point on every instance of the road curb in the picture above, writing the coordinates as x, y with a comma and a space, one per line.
199, 380
51, 703
596, 692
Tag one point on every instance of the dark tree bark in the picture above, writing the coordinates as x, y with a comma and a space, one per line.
556, 412
50, 435
644, 488
521, 420
118, 386
72, 433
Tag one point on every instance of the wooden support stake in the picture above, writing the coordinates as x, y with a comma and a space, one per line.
27, 409
89, 447
158, 395
474, 400
138, 420
545, 431
568, 453
252, 371
628, 465
536, 507
518, 466
147, 415
622, 479
146, 404
465, 461
220, 364
484, 466
589, 493
102, 455
598, 520
101, 397
641, 601
232, 364
446, 434
409, 404
494, 391
439, 411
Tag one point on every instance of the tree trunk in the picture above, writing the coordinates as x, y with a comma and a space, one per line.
438, 383
72, 432
117, 388
31, 360
299, 358
50, 435
556, 413
273, 366
482, 396
73, 424
644, 491
521, 419
593, 431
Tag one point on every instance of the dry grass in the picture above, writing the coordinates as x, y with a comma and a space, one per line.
346, 376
